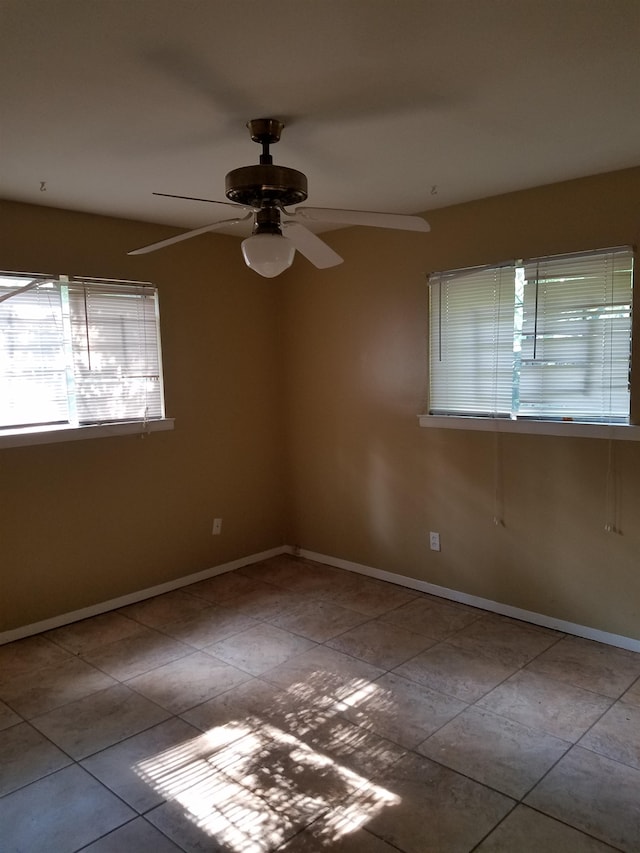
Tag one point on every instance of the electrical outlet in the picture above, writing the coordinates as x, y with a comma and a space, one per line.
217, 527
434, 541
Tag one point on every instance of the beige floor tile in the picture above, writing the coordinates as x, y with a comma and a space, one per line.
208, 627
498, 752
311, 579
260, 648
595, 795
432, 618
49, 687
400, 710
313, 685
381, 643
25, 755
120, 767
318, 620
319, 582
91, 633
632, 696
321, 677
23, 656
459, 672
528, 831
321, 835
222, 587
509, 641
135, 837
265, 602
61, 813
593, 666
345, 828
100, 720
222, 817
436, 809
161, 609
252, 704
8, 717
290, 775
561, 710
136, 654
370, 597
282, 571
617, 734
188, 681
257, 705
353, 747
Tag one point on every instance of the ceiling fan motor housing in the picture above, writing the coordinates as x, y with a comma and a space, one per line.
267, 184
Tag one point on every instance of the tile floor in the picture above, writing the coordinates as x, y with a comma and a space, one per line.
295, 707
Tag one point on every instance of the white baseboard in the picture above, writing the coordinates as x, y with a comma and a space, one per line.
475, 601
401, 580
134, 597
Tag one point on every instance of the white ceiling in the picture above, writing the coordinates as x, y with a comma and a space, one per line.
398, 105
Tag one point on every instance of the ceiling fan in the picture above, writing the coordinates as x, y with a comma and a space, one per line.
263, 192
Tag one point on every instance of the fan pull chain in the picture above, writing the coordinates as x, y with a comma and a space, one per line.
498, 497
610, 494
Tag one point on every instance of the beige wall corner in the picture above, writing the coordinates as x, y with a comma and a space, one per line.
368, 484
89, 521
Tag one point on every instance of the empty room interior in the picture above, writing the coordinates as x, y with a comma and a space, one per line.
313, 602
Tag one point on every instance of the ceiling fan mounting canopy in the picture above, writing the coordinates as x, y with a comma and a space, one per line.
265, 130
266, 184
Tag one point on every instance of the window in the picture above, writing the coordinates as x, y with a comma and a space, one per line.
77, 353
543, 339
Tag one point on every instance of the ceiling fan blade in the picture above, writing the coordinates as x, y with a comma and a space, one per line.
313, 248
399, 221
238, 207
188, 234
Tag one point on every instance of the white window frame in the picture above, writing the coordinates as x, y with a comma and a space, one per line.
484, 286
100, 418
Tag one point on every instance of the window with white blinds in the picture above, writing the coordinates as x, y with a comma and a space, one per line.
471, 341
545, 339
78, 352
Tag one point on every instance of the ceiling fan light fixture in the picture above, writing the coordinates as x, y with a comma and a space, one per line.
268, 254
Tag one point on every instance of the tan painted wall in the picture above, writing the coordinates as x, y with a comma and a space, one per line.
367, 484
86, 521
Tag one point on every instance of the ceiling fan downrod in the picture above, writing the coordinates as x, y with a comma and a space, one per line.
266, 132
266, 185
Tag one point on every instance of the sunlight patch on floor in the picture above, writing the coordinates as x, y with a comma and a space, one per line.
251, 785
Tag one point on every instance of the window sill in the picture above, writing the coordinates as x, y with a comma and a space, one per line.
53, 435
623, 432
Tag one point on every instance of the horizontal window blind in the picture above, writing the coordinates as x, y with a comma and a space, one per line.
78, 352
116, 354
576, 334
471, 341
33, 364
549, 338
